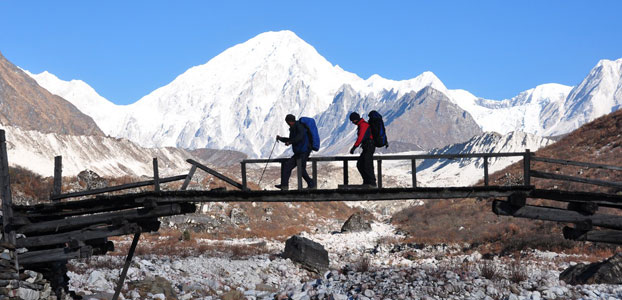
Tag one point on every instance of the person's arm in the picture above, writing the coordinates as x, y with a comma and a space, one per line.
361, 133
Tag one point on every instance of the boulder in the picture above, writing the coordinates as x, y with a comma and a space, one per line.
311, 255
608, 271
92, 180
356, 223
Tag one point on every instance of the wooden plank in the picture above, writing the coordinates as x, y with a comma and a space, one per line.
156, 175
216, 174
602, 199
576, 163
89, 233
504, 208
598, 236
118, 187
8, 230
397, 157
575, 179
105, 218
191, 173
58, 175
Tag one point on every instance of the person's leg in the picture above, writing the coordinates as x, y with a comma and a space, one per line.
286, 171
360, 166
368, 165
304, 157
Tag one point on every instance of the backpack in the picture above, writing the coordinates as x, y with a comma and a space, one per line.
314, 136
379, 134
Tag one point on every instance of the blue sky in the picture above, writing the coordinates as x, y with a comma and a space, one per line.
494, 49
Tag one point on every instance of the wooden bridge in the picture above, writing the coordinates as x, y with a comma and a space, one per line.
61, 230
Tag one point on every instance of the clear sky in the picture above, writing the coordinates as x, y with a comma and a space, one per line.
494, 49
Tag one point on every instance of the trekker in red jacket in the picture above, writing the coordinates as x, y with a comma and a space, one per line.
365, 163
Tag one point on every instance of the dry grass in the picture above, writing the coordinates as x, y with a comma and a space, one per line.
488, 269
517, 272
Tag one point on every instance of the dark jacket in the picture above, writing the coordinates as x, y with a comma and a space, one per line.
298, 138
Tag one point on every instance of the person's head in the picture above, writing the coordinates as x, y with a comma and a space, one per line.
354, 117
290, 120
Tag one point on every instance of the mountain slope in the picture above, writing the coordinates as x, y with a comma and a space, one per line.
84, 97
24, 104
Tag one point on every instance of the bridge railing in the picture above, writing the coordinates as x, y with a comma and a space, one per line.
380, 158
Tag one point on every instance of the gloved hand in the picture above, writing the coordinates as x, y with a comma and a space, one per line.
279, 138
352, 150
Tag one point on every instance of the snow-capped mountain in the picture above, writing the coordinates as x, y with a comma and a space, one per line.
534, 111
238, 100
463, 172
598, 94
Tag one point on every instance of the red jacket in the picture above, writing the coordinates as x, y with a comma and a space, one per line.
362, 133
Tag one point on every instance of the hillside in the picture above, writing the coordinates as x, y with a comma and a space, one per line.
25, 104
472, 220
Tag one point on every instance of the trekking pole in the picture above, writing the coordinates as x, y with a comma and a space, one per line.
264, 168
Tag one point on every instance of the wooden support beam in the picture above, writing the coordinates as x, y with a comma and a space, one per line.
216, 174
585, 208
576, 179
118, 187
8, 230
56, 254
602, 199
156, 175
88, 233
518, 199
105, 218
128, 261
58, 176
598, 236
504, 208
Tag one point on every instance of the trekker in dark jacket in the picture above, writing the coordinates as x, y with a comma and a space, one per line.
365, 163
299, 139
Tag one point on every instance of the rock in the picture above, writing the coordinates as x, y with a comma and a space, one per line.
92, 180
157, 285
310, 254
238, 217
356, 223
608, 271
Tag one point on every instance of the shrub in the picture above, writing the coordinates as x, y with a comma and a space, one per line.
517, 271
488, 269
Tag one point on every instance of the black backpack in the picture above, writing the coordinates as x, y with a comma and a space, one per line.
377, 129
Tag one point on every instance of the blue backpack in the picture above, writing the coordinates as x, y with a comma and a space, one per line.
314, 136
379, 134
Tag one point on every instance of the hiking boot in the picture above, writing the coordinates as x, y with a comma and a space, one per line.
282, 187
311, 187
370, 185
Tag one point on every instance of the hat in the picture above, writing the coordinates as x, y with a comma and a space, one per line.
354, 117
290, 118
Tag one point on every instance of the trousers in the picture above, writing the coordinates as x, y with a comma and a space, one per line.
290, 164
365, 162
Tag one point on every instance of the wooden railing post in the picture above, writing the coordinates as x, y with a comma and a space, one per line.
486, 170
345, 172
58, 176
379, 173
243, 168
314, 172
527, 168
8, 232
184, 186
156, 177
413, 163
